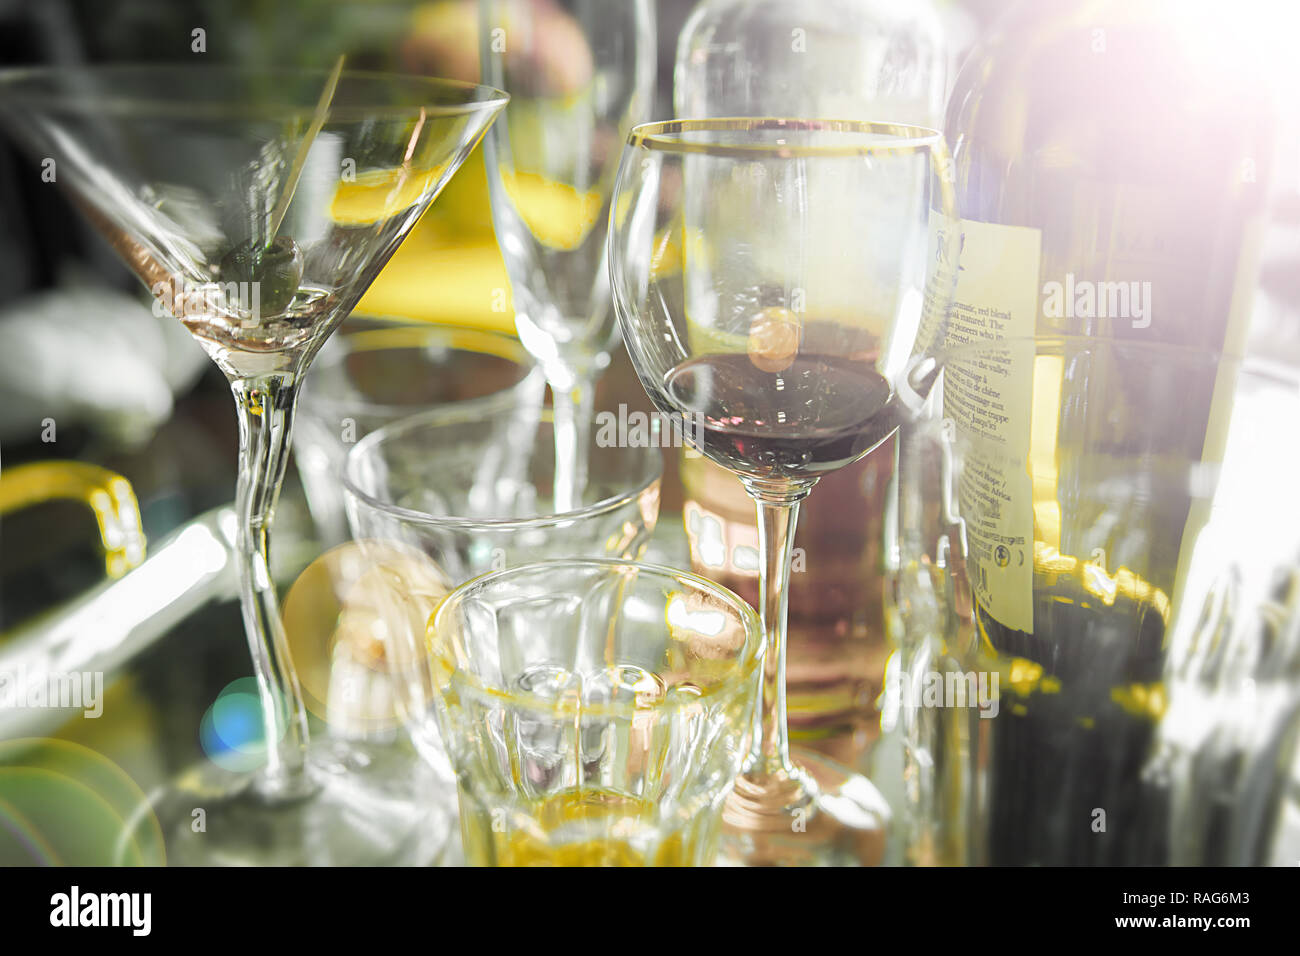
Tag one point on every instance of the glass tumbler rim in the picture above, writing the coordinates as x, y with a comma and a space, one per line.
438, 417
341, 347
743, 669
897, 138
97, 95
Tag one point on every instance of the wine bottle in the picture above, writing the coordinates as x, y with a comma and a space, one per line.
1111, 162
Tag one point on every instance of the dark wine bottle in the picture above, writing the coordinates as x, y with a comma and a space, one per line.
1111, 167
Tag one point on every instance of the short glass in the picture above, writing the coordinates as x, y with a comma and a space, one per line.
377, 372
596, 712
447, 495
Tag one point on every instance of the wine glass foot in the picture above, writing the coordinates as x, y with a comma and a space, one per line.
823, 815
364, 806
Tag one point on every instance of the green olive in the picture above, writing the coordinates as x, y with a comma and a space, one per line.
277, 272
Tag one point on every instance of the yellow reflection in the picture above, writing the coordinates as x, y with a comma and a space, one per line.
107, 494
1091, 578
449, 270
558, 215
1049, 374
1025, 677
666, 260
1149, 701
380, 194
612, 822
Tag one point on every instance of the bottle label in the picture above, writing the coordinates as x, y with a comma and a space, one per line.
989, 400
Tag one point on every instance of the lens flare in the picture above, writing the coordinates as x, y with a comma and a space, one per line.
231, 732
355, 622
62, 804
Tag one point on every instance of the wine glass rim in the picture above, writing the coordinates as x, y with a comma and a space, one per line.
391, 338
94, 93
742, 667
667, 136
650, 475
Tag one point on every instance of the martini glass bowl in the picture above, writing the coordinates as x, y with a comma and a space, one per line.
257, 207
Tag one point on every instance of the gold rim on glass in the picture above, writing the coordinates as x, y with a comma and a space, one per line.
669, 136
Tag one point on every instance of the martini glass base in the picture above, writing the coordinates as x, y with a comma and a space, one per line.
823, 815
368, 806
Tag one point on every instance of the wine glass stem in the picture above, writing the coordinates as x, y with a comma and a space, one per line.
573, 409
266, 407
778, 513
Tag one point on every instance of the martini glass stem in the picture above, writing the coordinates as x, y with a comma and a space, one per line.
778, 514
573, 407
266, 407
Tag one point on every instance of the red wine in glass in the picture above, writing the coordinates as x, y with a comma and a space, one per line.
818, 414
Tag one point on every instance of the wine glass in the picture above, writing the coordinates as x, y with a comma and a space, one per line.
257, 206
875, 60
581, 74
779, 349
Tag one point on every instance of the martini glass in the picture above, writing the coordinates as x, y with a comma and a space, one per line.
257, 206
785, 345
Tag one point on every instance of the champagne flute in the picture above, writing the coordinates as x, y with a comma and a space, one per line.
783, 342
581, 74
